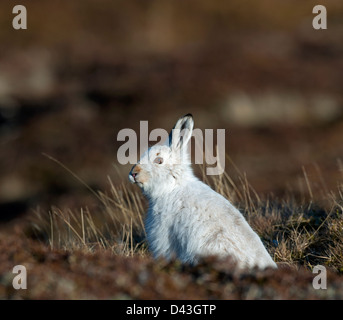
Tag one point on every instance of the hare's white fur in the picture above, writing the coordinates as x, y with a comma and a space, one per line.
187, 219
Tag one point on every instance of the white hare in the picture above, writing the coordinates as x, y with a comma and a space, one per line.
187, 219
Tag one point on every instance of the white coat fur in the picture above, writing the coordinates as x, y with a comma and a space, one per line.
187, 219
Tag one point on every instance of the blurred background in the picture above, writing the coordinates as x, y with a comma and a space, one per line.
84, 70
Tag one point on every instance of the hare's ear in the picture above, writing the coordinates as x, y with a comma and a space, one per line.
181, 133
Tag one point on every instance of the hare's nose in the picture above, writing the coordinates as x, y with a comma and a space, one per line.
134, 171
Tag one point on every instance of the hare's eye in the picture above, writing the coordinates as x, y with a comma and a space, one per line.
158, 160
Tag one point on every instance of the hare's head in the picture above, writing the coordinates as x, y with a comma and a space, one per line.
167, 164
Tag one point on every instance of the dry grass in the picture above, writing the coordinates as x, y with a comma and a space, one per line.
295, 234
102, 253
116, 226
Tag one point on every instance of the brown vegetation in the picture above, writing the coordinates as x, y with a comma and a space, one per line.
103, 255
